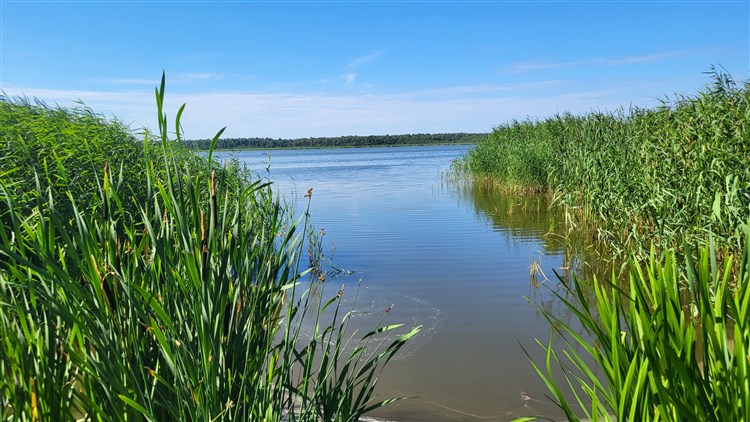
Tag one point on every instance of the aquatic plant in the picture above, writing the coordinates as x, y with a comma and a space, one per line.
671, 342
636, 177
140, 282
672, 345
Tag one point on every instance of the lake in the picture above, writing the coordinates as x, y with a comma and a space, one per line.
449, 256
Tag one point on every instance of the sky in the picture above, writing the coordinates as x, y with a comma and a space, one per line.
296, 69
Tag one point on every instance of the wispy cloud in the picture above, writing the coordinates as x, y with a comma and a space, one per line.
648, 58
469, 108
362, 60
491, 88
130, 81
349, 76
532, 66
179, 78
134, 107
201, 76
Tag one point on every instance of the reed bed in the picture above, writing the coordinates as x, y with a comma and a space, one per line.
680, 171
667, 190
140, 282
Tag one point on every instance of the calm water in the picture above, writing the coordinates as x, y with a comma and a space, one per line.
450, 257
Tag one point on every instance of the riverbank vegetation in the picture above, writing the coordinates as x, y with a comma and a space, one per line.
673, 344
680, 171
340, 141
139, 281
667, 189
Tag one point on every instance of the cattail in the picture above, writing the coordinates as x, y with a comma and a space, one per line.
203, 228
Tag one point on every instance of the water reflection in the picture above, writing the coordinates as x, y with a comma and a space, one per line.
456, 259
526, 215
523, 216
530, 216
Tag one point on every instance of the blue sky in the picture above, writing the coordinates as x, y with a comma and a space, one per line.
299, 69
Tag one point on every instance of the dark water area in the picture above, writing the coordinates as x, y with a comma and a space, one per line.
449, 256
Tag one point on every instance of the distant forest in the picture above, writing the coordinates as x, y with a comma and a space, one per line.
341, 141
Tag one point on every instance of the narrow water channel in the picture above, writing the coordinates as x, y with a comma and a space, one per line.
449, 257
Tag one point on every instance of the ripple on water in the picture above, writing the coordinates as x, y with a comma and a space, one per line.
368, 308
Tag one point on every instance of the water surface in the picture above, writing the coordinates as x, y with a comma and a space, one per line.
450, 257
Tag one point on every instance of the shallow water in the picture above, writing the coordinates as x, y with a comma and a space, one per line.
450, 257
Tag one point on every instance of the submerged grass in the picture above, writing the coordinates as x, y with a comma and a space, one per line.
140, 282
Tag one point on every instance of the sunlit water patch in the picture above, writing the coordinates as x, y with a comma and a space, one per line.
367, 308
456, 261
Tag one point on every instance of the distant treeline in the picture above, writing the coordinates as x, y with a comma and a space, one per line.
341, 141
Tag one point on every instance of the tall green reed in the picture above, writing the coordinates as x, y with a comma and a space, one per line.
169, 293
672, 345
669, 343
637, 177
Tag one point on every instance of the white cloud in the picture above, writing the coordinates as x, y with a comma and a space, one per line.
491, 88
290, 115
648, 58
131, 106
201, 76
177, 78
151, 82
350, 78
532, 66
359, 61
